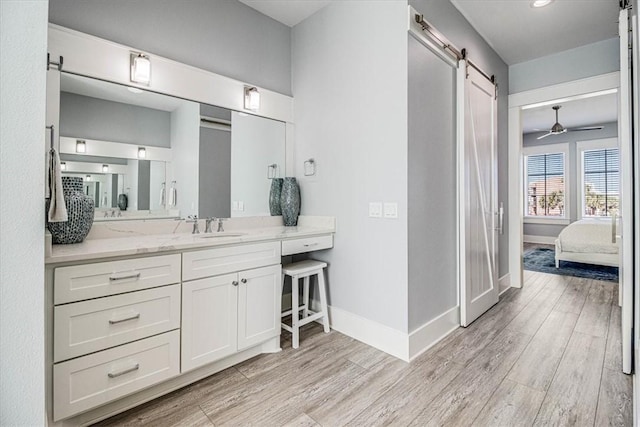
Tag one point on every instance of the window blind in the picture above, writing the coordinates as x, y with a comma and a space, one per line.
545, 185
601, 181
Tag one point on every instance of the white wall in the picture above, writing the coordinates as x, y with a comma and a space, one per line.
185, 146
584, 61
23, 43
350, 93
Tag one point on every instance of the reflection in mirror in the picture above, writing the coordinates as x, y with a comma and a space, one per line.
200, 159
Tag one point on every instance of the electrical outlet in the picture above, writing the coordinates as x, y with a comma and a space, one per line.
375, 210
391, 210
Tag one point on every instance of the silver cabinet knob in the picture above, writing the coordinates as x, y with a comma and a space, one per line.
234, 283
243, 280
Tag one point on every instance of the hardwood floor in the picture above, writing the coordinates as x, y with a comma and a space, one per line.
548, 354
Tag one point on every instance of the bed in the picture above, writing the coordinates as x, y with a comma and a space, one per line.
589, 241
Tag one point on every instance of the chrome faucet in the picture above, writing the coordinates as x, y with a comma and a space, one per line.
194, 220
208, 222
220, 228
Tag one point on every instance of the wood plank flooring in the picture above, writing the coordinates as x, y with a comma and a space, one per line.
548, 354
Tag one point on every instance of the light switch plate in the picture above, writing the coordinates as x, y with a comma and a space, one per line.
234, 205
241, 206
391, 210
375, 210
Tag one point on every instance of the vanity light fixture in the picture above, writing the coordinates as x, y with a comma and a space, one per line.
63, 166
251, 98
142, 152
541, 3
81, 146
105, 168
88, 177
140, 68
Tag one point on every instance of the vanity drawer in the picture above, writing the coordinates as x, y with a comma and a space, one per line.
211, 262
80, 282
89, 381
307, 244
88, 326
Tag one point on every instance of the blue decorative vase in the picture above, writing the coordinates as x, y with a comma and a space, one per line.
80, 212
290, 201
274, 197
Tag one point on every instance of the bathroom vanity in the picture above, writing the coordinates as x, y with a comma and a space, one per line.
132, 318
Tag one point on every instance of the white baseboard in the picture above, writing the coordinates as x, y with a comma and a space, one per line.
372, 333
504, 283
544, 240
433, 332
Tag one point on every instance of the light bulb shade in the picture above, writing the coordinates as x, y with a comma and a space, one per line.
63, 166
142, 152
540, 3
251, 98
105, 168
140, 68
81, 146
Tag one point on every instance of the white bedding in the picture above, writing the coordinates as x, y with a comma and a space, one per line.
588, 236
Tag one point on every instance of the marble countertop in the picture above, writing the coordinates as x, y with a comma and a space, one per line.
135, 243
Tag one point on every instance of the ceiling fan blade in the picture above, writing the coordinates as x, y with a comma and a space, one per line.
545, 135
586, 128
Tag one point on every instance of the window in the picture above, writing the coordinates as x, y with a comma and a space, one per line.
546, 182
600, 176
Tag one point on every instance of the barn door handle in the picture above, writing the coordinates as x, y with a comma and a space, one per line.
500, 227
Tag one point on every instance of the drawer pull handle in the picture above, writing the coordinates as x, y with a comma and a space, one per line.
243, 280
125, 371
135, 275
234, 283
308, 245
135, 316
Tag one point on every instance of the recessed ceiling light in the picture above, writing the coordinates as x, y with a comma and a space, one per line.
541, 3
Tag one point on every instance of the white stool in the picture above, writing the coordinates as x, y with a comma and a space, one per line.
304, 270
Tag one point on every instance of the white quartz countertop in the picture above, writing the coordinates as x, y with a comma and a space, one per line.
107, 247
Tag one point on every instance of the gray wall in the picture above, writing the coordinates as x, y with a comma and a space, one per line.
214, 197
23, 43
448, 20
222, 36
432, 185
529, 140
585, 61
350, 90
144, 178
92, 118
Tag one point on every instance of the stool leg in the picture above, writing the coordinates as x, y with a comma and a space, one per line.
323, 300
305, 297
295, 306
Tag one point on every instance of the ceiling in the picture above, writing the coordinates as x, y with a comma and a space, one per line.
584, 112
289, 12
519, 32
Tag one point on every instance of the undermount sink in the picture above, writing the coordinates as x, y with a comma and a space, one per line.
218, 235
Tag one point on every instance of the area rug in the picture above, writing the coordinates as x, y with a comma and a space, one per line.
544, 261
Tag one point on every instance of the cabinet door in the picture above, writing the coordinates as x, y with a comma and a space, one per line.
209, 320
259, 303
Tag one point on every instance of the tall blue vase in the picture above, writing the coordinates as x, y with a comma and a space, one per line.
274, 197
290, 201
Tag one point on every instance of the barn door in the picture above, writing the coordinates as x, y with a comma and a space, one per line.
626, 220
478, 193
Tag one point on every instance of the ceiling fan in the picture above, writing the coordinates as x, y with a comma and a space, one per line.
557, 128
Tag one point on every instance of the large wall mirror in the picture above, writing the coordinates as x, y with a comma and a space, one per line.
144, 154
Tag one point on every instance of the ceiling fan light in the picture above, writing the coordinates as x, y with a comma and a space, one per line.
541, 3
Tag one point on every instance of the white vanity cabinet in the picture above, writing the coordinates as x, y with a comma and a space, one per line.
226, 313
115, 330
